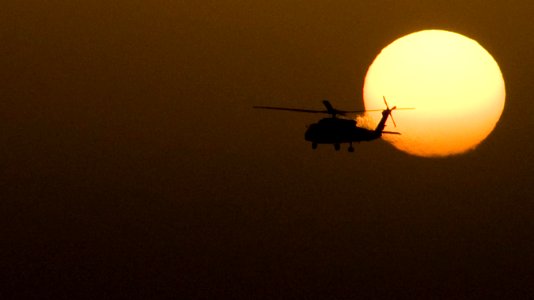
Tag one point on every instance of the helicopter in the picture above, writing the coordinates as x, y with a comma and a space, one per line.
334, 130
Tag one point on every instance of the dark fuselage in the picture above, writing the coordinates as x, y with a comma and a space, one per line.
336, 131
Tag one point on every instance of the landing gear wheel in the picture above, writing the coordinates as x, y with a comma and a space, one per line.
351, 149
337, 147
314, 146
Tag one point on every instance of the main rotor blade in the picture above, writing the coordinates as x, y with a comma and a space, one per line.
293, 109
394, 107
315, 111
356, 111
321, 111
367, 110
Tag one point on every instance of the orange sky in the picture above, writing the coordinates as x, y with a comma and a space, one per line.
133, 164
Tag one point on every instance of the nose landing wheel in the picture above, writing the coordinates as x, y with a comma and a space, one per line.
351, 149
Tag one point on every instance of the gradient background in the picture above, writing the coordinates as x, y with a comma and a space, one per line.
132, 163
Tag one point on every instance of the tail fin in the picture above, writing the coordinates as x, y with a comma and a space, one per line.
382, 124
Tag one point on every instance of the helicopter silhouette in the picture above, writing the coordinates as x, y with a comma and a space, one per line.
334, 130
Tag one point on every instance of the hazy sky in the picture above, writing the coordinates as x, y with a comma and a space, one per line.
132, 163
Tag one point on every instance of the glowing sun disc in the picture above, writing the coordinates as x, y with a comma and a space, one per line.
455, 85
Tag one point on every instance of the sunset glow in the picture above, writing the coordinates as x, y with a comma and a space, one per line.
455, 85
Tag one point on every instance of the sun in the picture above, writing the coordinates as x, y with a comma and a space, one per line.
454, 84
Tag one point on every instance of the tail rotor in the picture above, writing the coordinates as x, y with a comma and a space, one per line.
390, 110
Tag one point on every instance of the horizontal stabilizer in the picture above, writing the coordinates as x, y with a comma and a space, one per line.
391, 132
